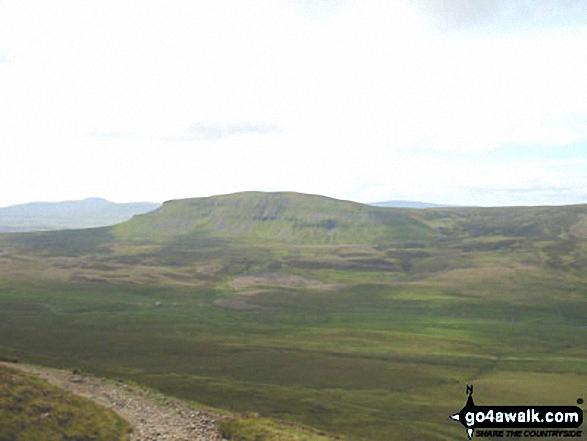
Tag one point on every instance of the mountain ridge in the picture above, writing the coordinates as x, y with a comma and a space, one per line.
290, 217
274, 216
71, 214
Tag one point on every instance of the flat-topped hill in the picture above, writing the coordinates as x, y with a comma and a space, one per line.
282, 217
287, 218
294, 218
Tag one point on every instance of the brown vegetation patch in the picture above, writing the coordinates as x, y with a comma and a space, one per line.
252, 292
236, 303
279, 280
480, 275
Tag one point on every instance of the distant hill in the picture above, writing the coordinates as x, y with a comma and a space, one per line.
285, 217
409, 204
255, 219
86, 213
259, 218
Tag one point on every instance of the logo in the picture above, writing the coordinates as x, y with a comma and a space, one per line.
510, 421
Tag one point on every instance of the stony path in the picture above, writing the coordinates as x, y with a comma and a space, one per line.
153, 416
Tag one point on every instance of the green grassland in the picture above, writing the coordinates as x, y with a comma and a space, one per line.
365, 322
252, 427
31, 409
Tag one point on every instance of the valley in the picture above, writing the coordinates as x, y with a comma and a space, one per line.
365, 322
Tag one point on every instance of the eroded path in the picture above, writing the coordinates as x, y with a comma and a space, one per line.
153, 416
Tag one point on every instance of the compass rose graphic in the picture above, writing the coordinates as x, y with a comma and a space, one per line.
469, 407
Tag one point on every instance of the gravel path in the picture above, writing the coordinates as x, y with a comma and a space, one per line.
153, 416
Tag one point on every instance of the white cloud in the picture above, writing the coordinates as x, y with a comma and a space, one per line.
207, 131
155, 100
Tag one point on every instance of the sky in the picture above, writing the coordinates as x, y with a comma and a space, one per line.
478, 102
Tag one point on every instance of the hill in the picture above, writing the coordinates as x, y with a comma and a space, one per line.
293, 219
274, 217
353, 319
86, 213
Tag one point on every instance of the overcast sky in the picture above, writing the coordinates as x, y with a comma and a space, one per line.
480, 102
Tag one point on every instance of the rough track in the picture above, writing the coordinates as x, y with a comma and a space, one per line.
153, 416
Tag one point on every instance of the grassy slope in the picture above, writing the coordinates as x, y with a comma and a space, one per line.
359, 330
31, 409
252, 427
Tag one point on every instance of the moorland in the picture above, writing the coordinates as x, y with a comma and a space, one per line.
362, 321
